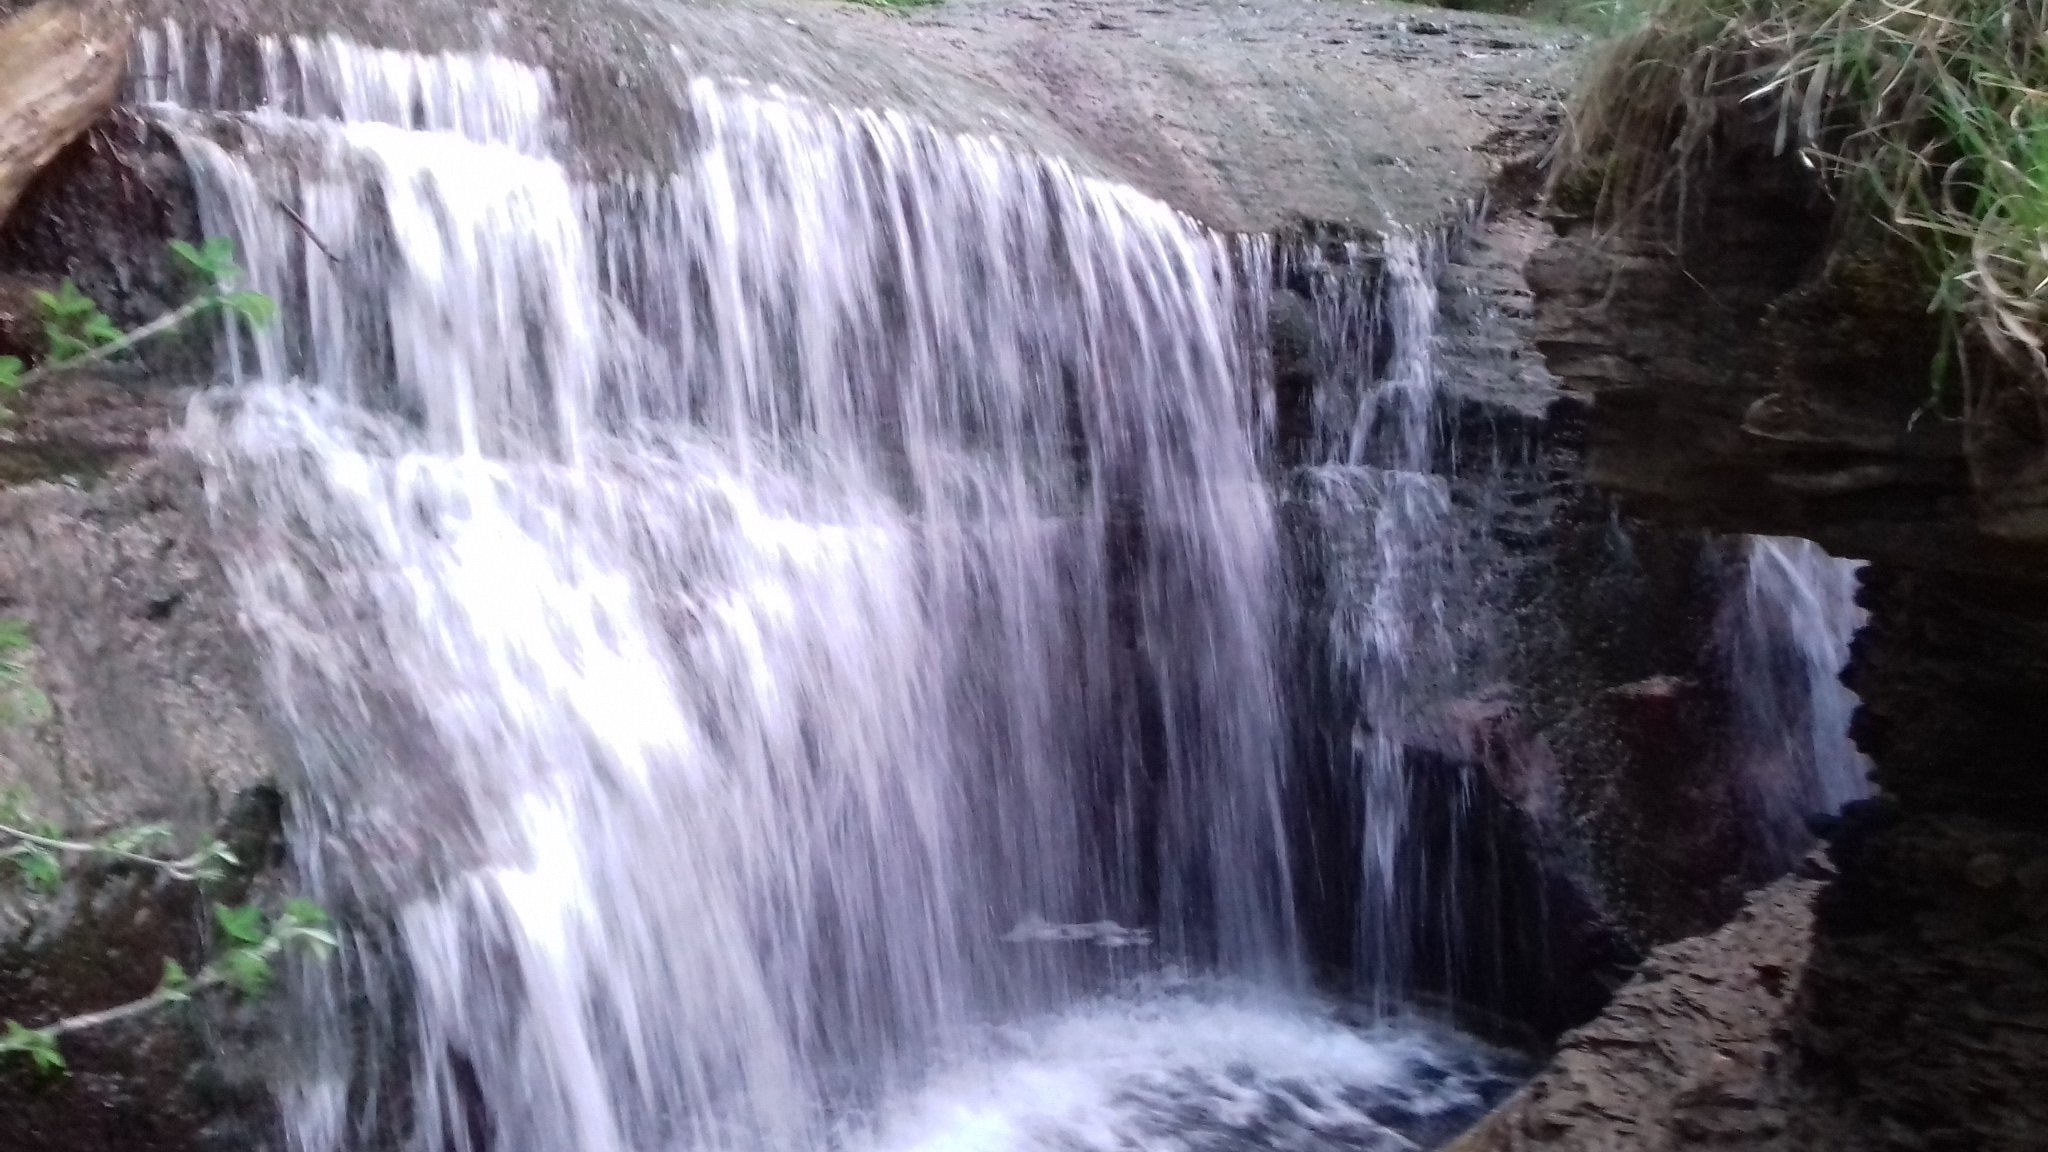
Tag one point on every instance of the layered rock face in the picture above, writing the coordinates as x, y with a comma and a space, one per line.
1687, 1056
135, 701
1757, 374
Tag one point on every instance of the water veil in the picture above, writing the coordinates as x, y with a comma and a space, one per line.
1786, 633
786, 646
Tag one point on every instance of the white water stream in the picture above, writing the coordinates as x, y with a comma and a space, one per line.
737, 616
1787, 633
1383, 515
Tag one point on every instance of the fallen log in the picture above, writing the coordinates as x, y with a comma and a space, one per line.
61, 68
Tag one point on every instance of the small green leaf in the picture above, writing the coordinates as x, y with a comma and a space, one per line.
215, 864
213, 262
246, 971
304, 926
35, 1043
20, 701
318, 943
194, 260
64, 347
259, 310
244, 924
98, 331
10, 373
172, 988
40, 868
67, 303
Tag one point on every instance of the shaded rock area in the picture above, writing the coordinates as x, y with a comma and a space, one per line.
190, 1079
1577, 800
1607, 688
1688, 1054
143, 687
101, 216
145, 712
1761, 371
152, 703
135, 701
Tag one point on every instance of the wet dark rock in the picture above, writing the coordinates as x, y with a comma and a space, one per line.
1763, 378
102, 216
1618, 732
173, 1080
147, 686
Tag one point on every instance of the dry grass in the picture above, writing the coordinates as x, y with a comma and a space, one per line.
1930, 115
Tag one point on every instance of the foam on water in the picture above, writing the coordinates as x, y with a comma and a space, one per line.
1192, 1068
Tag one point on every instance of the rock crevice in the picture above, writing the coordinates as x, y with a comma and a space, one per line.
1769, 376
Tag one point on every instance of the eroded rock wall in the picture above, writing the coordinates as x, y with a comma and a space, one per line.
1758, 371
135, 699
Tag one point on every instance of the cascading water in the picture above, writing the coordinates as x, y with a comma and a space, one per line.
748, 622
1388, 550
1787, 633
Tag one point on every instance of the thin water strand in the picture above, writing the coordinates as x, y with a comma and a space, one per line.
1387, 549
1786, 635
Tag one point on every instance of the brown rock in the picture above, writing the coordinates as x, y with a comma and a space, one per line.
1689, 1054
60, 70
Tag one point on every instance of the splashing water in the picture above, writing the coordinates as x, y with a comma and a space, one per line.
1787, 635
716, 609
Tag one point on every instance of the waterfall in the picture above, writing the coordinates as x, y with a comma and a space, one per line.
1786, 634
790, 642
1387, 547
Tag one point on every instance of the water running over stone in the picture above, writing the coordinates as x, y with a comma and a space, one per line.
1388, 558
730, 615
1787, 632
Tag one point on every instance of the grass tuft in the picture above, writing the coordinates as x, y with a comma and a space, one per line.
1930, 115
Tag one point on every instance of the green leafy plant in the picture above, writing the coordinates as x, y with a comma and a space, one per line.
73, 325
79, 334
37, 851
245, 965
212, 265
251, 940
38, 1044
